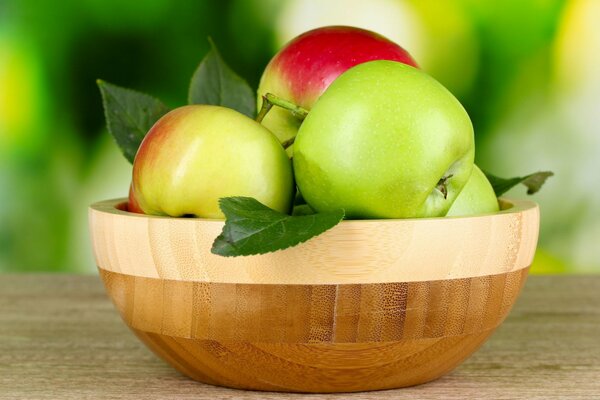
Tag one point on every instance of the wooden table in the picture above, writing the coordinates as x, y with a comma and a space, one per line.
60, 338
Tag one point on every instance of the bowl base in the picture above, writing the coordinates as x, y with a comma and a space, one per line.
316, 367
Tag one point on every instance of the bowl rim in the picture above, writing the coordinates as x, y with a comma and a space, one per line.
507, 206
354, 251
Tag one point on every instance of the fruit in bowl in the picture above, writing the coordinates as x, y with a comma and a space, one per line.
384, 141
477, 197
305, 67
356, 284
197, 154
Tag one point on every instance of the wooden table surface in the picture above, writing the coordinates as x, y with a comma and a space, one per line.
60, 338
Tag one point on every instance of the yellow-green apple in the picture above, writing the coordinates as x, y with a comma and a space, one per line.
132, 204
197, 154
302, 70
477, 197
385, 140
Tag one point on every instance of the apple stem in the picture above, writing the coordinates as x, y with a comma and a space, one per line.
269, 100
441, 185
264, 109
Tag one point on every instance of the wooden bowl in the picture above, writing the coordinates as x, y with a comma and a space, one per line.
370, 304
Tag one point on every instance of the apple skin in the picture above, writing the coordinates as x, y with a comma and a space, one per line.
302, 70
477, 197
132, 204
379, 140
197, 154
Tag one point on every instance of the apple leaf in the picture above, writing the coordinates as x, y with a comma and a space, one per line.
253, 228
533, 182
129, 115
302, 209
215, 83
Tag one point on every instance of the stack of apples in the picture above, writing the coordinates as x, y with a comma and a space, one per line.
346, 120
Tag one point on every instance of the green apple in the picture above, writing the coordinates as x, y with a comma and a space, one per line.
197, 154
477, 197
385, 140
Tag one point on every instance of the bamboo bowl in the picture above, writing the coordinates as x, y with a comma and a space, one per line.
372, 304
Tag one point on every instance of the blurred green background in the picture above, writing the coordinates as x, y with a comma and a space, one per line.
528, 72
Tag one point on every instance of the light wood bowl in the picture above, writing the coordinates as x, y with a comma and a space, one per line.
371, 304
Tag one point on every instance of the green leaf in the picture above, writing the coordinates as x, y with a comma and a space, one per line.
129, 115
253, 228
215, 83
302, 209
533, 182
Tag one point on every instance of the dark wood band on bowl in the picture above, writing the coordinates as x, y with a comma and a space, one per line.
344, 313
314, 338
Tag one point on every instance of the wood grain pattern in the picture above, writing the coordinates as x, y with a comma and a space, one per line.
367, 251
343, 312
60, 338
316, 368
314, 338
360, 313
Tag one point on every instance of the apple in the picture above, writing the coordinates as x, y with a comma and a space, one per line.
385, 140
302, 70
477, 197
197, 154
132, 204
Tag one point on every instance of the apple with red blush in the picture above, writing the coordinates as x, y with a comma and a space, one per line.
304, 68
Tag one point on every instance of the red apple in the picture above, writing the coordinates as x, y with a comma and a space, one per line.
302, 70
